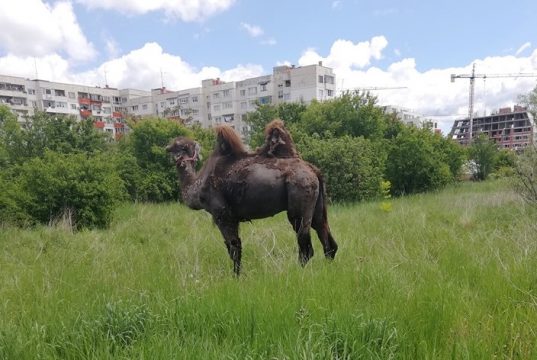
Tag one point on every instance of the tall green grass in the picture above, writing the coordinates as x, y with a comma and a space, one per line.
443, 275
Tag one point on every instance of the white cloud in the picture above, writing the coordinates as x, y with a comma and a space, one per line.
252, 30
522, 48
428, 92
185, 10
35, 28
344, 54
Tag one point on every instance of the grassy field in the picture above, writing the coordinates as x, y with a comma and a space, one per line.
444, 275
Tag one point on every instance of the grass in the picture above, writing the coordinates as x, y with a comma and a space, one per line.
443, 275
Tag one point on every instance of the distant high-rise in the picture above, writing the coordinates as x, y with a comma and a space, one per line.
510, 128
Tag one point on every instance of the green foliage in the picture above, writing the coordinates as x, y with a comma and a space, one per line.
351, 114
416, 164
352, 167
525, 179
257, 120
78, 188
483, 152
143, 163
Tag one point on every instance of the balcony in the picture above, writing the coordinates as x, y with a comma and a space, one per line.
117, 115
99, 124
84, 101
85, 113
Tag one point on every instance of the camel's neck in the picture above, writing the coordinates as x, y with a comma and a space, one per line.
190, 186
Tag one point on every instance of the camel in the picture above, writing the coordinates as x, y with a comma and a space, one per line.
235, 186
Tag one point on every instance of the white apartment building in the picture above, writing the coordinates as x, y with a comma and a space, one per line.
213, 103
412, 118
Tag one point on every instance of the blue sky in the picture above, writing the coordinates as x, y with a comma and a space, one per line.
416, 44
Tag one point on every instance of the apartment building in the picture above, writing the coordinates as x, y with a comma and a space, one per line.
213, 103
510, 128
412, 118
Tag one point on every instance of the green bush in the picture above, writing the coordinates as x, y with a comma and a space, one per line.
417, 164
483, 152
143, 163
352, 167
80, 189
525, 179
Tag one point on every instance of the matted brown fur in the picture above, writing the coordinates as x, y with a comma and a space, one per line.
229, 142
278, 141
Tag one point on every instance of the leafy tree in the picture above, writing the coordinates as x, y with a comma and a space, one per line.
483, 153
415, 164
353, 114
530, 101
144, 164
351, 166
257, 120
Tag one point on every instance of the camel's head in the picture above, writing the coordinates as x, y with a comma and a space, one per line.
184, 151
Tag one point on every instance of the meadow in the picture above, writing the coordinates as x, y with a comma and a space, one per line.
450, 274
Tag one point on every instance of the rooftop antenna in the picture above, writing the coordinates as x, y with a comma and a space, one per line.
105, 77
161, 79
35, 66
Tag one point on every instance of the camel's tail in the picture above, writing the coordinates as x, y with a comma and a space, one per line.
228, 142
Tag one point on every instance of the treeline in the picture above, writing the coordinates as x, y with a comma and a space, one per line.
54, 168
359, 146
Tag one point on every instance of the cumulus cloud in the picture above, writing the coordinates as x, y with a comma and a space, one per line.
185, 10
35, 28
344, 54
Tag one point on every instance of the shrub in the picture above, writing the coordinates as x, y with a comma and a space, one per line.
143, 163
84, 190
484, 153
525, 180
352, 167
415, 164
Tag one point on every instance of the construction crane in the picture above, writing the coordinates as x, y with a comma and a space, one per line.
472, 78
379, 88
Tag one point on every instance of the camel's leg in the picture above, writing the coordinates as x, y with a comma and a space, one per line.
302, 229
326, 238
230, 232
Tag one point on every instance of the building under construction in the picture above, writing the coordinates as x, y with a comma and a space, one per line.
509, 128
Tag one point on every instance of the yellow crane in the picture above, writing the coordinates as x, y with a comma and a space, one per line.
472, 78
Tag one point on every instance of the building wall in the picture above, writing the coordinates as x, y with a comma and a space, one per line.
215, 102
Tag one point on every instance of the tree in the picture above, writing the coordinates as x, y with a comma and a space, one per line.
144, 164
483, 153
530, 101
351, 166
415, 164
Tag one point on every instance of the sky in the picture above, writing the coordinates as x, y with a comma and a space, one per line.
411, 45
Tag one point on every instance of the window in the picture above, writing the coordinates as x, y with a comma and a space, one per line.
329, 79
163, 104
252, 91
184, 100
287, 83
330, 92
243, 92
106, 110
135, 108
59, 93
31, 91
48, 92
321, 93
218, 119
227, 93
263, 86
216, 107
252, 103
144, 107
321, 79
227, 105
216, 95
172, 102
194, 99
73, 106
244, 105
280, 94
